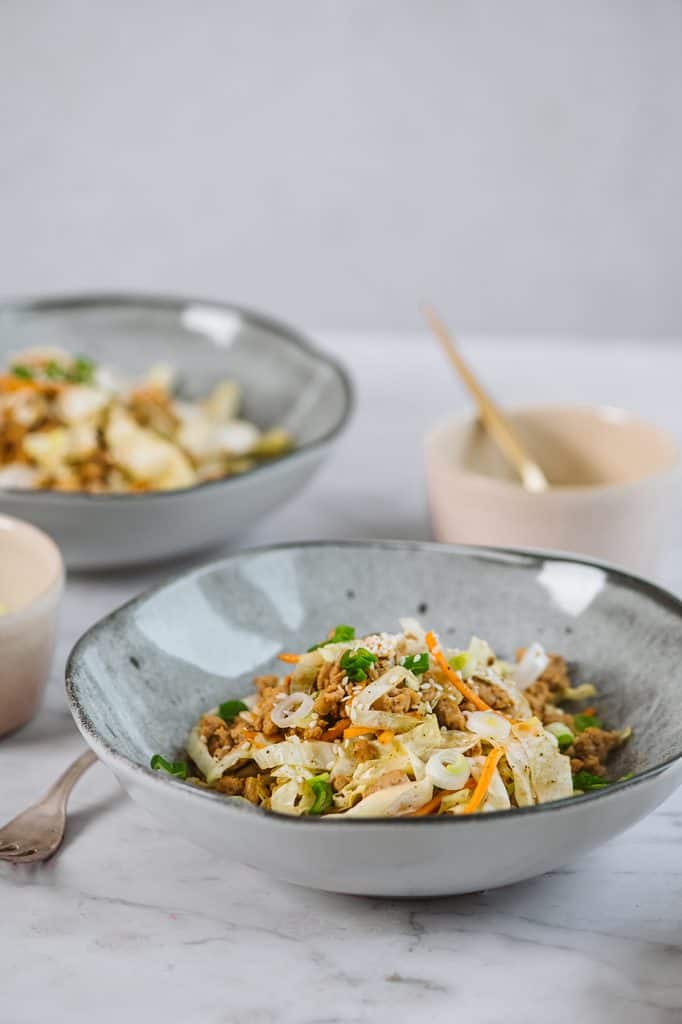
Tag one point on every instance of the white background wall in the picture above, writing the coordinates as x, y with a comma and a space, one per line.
519, 161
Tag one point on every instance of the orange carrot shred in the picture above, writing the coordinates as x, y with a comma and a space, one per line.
291, 659
356, 730
336, 730
428, 808
485, 778
455, 679
386, 736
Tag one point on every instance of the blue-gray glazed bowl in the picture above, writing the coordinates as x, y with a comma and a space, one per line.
285, 381
139, 679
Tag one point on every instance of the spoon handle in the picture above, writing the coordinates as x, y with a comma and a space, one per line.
494, 420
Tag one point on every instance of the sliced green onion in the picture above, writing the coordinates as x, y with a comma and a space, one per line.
458, 661
341, 635
22, 372
355, 663
229, 709
582, 722
563, 734
417, 663
586, 781
82, 371
322, 791
177, 768
55, 371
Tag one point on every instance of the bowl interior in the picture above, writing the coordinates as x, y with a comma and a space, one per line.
140, 678
284, 381
577, 446
29, 564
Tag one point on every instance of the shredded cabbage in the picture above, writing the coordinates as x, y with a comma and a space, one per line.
360, 708
393, 801
311, 753
213, 768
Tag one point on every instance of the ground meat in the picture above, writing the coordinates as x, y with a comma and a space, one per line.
364, 750
339, 781
449, 714
494, 695
330, 683
270, 693
550, 687
263, 683
329, 704
230, 785
392, 778
397, 701
217, 734
591, 749
430, 690
316, 731
257, 788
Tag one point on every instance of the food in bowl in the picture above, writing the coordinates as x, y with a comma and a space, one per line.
68, 424
393, 725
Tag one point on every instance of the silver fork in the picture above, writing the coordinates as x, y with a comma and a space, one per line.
37, 832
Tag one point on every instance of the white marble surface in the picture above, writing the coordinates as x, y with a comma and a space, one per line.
128, 920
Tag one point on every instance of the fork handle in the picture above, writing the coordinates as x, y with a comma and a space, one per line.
59, 792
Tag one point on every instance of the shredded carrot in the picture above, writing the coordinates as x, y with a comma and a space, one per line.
290, 659
356, 730
10, 383
429, 808
589, 711
250, 735
336, 730
454, 678
386, 736
485, 778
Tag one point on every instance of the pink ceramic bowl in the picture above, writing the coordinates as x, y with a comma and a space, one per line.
31, 585
614, 480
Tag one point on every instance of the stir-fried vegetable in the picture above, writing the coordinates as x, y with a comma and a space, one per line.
177, 768
340, 635
417, 663
322, 792
68, 424
395, 725
356, 663
229, 709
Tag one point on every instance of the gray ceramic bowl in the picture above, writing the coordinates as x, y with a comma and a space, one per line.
140, 678
285, 382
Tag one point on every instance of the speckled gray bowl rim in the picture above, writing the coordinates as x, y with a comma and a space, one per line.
175, 304
657, 594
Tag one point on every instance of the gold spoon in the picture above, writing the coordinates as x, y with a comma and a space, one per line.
492, 417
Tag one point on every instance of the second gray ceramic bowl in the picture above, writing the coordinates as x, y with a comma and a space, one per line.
138, 680
285, 381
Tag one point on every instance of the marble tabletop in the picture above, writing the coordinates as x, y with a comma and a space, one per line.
129, 923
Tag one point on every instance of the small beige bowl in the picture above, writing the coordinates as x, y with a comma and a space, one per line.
613, 482
31, 585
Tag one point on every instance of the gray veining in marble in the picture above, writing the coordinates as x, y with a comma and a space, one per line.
147, 928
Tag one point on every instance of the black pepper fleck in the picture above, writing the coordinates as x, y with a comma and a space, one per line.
133, 661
